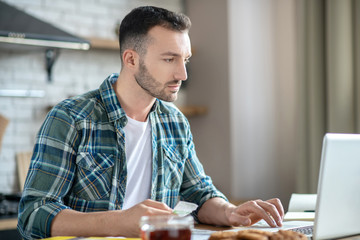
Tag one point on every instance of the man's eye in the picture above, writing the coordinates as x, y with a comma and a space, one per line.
169, 60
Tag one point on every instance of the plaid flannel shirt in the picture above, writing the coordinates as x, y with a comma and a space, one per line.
79, 160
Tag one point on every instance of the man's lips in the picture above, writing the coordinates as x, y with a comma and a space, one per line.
174, 87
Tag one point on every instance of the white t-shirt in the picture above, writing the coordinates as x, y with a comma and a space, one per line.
139, 160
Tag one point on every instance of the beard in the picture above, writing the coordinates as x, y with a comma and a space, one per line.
153, 87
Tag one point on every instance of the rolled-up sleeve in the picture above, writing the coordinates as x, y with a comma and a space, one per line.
50, 174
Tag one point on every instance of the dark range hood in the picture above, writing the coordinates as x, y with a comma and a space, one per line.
18, 27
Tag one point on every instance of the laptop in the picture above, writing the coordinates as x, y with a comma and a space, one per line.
337, 212
338, 195
338, 201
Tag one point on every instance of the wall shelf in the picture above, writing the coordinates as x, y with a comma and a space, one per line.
104, 44
192, 111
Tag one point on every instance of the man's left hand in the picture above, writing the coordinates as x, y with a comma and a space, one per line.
219, 212
251, 212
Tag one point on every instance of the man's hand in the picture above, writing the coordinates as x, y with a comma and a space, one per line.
219, 212
251, 212
131, 217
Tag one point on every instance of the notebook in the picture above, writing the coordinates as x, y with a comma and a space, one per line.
337, 212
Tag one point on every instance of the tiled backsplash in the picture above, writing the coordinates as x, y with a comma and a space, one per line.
74, 72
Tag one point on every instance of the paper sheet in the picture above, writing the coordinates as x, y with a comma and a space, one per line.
184, 208
301, 207
302, 202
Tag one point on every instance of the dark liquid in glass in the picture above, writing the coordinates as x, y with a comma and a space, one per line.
167, 234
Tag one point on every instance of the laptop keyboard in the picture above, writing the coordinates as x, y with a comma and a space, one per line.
307, 230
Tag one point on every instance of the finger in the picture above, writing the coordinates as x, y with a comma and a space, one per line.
271, 210
157, 205
156, 211
278, 205
255, 208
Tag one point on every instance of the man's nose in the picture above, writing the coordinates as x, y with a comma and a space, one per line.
181, 72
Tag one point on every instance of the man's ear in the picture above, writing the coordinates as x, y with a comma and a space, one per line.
130, 59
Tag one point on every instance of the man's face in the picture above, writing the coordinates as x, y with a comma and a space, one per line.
162, 69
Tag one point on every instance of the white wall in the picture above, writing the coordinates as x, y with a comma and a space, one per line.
263, 97
74, 72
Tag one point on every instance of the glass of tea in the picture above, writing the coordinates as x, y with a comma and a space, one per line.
166, 227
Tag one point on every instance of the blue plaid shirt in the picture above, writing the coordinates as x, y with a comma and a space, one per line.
79, 160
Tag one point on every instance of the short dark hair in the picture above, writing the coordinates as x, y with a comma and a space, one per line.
135, 26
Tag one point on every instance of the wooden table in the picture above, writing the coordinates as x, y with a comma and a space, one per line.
8, 224
11, 223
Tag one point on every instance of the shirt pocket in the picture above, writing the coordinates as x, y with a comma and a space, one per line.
93, 176
174, 164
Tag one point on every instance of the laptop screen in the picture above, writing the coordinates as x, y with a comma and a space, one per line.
338, 197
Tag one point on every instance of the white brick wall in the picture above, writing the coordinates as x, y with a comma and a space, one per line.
74, 72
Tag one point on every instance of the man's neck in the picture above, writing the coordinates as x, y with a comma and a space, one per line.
133, 99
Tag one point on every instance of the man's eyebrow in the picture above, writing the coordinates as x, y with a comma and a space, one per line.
174, 54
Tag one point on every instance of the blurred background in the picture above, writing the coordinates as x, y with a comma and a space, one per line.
267, 80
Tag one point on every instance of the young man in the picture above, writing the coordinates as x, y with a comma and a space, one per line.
104, 159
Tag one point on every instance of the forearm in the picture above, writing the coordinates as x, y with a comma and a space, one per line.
214, 212
73, 223
123, 223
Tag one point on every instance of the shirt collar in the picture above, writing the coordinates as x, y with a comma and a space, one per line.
111, 102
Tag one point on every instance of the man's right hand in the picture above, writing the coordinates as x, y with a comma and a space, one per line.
130, 217
123, 223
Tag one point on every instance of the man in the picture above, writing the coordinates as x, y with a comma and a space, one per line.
104, 159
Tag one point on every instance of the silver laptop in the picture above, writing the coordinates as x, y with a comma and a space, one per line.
338, 201
337, 211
